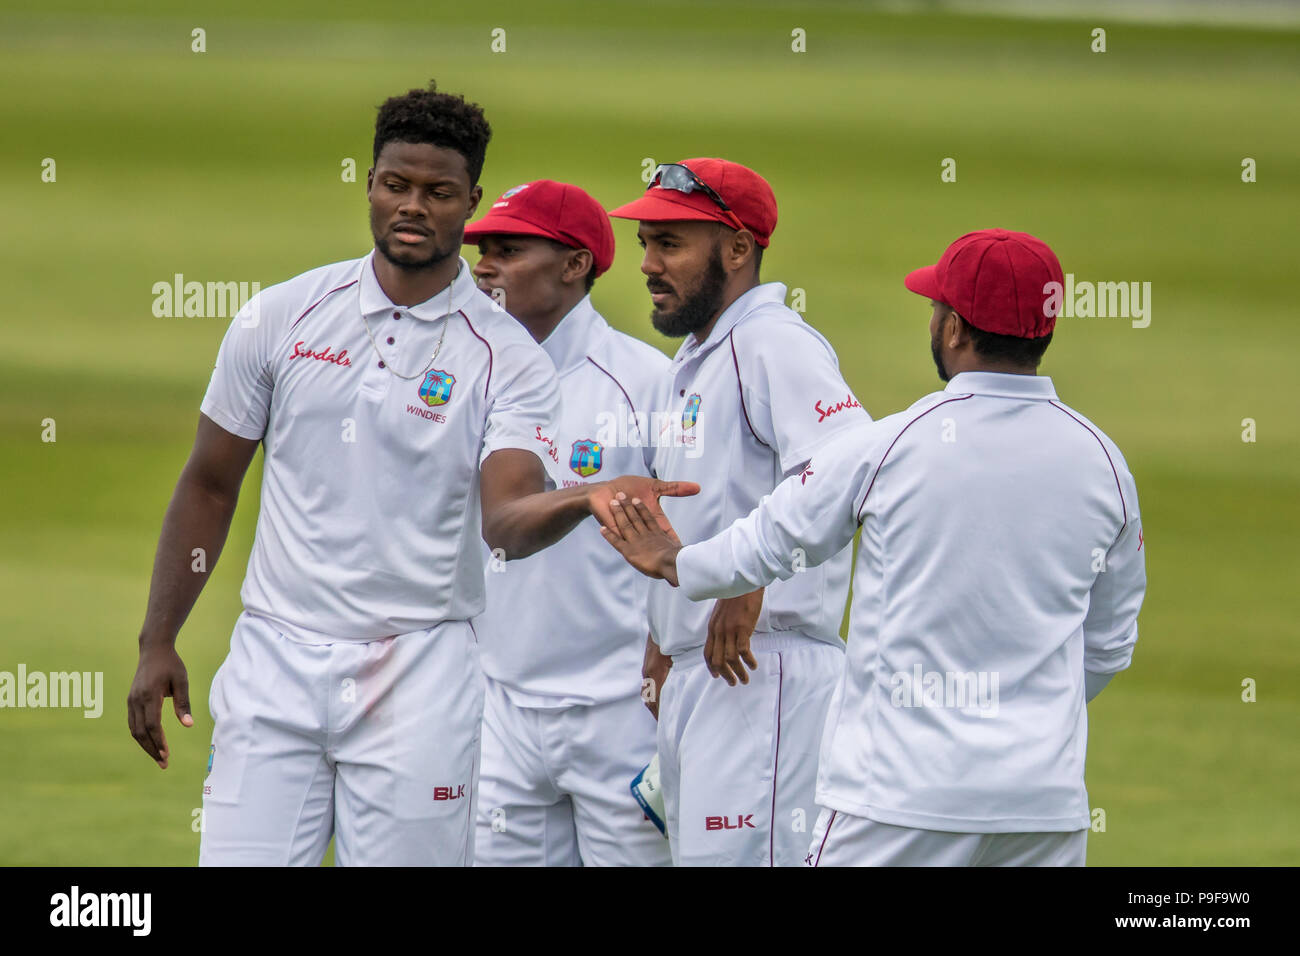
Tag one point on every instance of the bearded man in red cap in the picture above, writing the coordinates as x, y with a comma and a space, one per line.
562, 636
999, 578
751, 395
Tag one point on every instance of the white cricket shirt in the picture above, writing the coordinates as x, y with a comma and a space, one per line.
567, 625
988, 511
370, 521
747, 407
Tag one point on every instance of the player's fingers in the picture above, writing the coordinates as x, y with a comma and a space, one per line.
749, 657
720, 661
639, 517
621, 522
733, 658
708, 653
154, 730
135, 720
181, 699
600, 507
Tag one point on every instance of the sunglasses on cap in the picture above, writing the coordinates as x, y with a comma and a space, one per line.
681, 179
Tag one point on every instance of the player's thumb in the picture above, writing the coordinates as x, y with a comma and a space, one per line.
181, 700
677, 489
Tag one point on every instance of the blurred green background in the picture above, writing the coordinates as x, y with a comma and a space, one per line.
225, 166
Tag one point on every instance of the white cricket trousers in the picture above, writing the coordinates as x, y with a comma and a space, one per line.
375, 743
738, 765
841, 839
555, 785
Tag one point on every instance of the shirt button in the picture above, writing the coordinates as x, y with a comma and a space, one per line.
397, 315
381, 364
391, 340
682, 392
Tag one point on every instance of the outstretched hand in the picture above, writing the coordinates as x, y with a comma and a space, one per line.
647, 542
648, 490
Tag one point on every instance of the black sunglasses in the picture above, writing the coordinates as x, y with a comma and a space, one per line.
677, 177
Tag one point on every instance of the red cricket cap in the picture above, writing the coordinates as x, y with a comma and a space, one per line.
558, 211
996, 280
752, 202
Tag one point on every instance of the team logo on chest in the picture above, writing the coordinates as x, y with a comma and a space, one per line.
586, 457
436, 387
691, 412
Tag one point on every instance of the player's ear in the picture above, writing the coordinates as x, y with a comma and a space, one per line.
370, 181
475, 194
740, 249
955, 330
578, 264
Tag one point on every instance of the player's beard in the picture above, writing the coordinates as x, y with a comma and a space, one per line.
938, 359
699, 307
408, 264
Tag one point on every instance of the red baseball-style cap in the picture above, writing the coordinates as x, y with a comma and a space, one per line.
749, 196
558, 211
996, 280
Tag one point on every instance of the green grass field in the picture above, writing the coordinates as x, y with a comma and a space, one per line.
225, 165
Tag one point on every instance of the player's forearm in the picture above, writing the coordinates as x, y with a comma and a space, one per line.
751, 554
704, 573
526, 525
193, 533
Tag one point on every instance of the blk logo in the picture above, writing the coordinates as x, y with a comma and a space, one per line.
449, 793
724, 823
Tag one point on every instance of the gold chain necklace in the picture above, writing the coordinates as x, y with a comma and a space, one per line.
434, 357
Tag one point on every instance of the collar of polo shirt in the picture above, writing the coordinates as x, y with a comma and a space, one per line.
1006, 384
763, 294
374, 301
571, 340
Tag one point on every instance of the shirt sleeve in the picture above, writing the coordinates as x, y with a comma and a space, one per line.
239, 393
793, 394
525, 409
809, 518
1110, 627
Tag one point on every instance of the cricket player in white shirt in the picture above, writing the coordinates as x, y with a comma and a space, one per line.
999, 578
754, 391
563, 634
399, 414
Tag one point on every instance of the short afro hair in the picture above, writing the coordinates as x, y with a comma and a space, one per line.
1009, 348
445, 120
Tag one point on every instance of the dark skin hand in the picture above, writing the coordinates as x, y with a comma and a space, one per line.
726, 651
520, 518
638, 535
198, 517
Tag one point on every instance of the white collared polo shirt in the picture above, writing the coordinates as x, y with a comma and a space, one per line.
1001, 557
370, 522
567, 626
747, 407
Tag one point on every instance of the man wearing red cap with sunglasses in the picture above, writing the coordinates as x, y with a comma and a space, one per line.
753, 392
562, 636
999, 578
